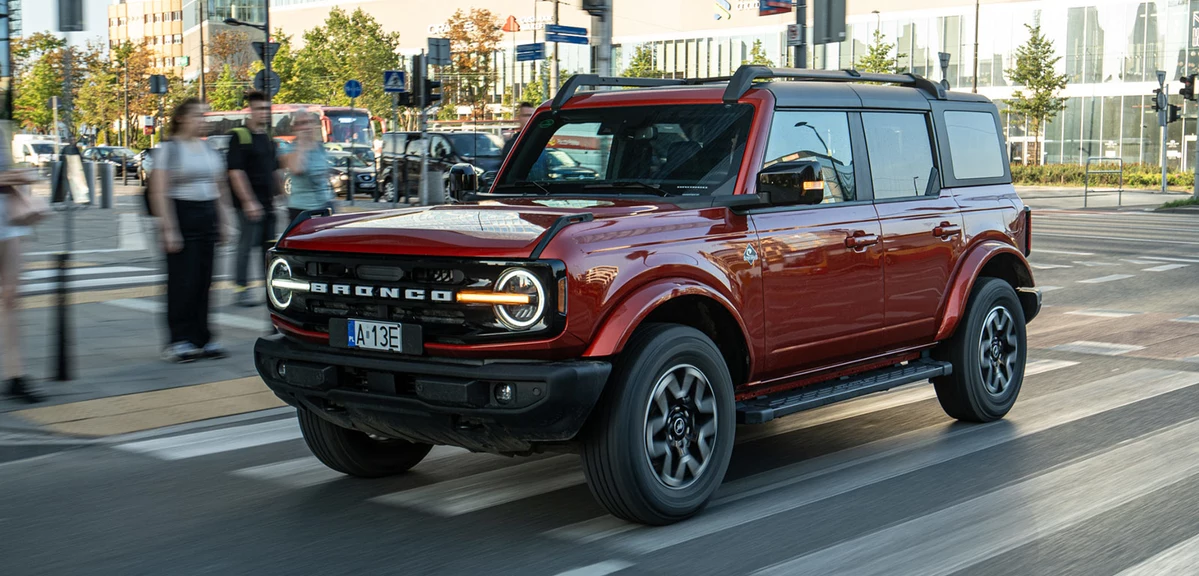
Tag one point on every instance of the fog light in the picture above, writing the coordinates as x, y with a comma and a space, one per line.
505, 393
281, 369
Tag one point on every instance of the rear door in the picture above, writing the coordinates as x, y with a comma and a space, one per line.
922, 234
821, 263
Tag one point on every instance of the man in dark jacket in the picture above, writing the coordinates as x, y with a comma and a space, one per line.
255, 179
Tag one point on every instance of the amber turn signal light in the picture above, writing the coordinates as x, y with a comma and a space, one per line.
493, 298
813, 185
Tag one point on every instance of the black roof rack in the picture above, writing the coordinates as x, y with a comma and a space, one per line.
573, 83
745, 76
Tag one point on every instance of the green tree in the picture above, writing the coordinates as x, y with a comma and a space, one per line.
757, 56
474, 38
642, 64
39, 77
1035, 71
878, 59
226, 93
346, 46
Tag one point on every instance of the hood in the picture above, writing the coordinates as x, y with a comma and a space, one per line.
492, 229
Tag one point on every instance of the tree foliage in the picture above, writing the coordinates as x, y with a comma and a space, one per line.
474, 38
38, 60
1035, 71
345, 47
642, 64
227, 91
878, 58
757, 56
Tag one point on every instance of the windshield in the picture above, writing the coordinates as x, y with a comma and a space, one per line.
684, 150
472, 144
42, 148
338, 159
123, 152
343, 127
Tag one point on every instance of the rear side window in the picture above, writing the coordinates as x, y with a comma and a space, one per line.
974, 145
901, 154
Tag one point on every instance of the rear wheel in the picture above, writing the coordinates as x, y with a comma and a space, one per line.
660, 441
988, 353
356, 453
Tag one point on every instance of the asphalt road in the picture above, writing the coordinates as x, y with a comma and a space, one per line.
1096, 470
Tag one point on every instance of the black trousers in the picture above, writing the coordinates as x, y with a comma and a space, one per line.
189, 273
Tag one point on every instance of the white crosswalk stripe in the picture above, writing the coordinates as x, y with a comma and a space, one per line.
216, 441
1177, 559
488, 489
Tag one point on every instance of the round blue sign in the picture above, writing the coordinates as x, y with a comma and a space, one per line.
353, 88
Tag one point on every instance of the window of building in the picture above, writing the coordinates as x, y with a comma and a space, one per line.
901, 155
155, 18
178, 38
974, 145
820, 136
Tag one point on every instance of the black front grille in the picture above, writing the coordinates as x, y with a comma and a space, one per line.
442, 318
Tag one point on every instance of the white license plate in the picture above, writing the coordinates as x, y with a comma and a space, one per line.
385, 336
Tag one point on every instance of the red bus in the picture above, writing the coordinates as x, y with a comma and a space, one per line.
338, 124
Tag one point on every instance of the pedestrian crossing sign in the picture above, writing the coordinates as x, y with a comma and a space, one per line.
393, 81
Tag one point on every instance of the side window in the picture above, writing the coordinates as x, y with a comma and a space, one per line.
974, 145
821, 136
414, 148
901, 154
440, 148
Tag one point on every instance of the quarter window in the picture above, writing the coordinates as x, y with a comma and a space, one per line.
901, 154
974, 145
820, 136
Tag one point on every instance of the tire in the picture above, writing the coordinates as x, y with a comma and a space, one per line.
621, 469
355, 453
389, 190
986, 378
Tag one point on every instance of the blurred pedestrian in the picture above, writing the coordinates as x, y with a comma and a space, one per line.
187, 189
255, 178
308, 165
10, 270
524, 113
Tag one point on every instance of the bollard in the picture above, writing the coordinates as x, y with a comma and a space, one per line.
62, 341
55, 168
106, 183
89, 174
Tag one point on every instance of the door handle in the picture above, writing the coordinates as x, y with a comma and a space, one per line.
860, 239
946, 229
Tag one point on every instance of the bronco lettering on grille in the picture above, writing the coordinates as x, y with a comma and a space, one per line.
413, 294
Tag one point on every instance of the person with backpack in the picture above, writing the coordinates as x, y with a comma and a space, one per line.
186, 193
255, 178
309, 167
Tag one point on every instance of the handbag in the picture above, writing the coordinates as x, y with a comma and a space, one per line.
23, 208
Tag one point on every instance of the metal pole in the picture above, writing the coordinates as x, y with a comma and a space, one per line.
601, 27
801, 20
1163, 158
266, 30
554, 67
1195, 191
203, 67
350, 161
426, 193
974, 83
395, 168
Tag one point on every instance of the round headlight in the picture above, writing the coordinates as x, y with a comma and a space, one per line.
522, 316
278, 270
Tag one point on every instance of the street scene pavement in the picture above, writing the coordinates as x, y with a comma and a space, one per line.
136, 466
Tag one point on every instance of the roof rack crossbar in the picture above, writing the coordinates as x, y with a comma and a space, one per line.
573, 83
745, 76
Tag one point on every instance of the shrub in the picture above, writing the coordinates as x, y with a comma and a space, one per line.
1135, 176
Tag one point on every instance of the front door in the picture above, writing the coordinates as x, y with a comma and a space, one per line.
922, 234
821, 263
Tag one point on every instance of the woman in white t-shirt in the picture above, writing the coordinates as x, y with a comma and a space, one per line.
187, 195
10, 269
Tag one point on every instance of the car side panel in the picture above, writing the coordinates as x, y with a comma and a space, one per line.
972, 264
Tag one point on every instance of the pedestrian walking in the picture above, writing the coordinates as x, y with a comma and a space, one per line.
308, 165
187, 189
255, 179
19, 386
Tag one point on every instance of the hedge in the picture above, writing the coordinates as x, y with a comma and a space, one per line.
1135, 176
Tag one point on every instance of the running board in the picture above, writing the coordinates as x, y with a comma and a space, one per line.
766, 408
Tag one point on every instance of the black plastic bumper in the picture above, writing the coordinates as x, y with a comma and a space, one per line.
438, 402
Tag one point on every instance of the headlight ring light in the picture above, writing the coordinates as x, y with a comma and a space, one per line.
520, 317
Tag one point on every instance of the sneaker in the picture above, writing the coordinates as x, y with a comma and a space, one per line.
214, 350
19, 389
244, 298
181, 353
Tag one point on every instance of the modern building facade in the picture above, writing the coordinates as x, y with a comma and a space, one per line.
173, 29
1109, 49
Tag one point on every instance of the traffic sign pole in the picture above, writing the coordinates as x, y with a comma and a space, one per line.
393, 82
353, 89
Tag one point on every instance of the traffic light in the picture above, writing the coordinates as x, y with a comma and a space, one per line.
432, 92
1175, 113
595, 7
405, 99
1159, 100
1188, 87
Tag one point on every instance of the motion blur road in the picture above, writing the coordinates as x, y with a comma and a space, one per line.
1095, 471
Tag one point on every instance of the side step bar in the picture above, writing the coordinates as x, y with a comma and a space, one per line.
766, 408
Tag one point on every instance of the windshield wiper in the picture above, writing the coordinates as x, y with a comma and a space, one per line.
630, 184
523, 183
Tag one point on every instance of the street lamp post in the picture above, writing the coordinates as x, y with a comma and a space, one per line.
266, 54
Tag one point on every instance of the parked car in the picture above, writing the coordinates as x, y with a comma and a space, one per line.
480, 149
747, 249
340, 174
37, 153
120, 157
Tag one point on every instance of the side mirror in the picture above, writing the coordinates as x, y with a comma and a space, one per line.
792, 183
464, 179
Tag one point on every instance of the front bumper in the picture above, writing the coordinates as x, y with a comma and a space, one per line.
438, 402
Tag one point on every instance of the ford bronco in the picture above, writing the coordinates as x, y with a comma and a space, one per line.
742, 249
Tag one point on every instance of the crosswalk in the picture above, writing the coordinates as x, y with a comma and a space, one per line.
940, 540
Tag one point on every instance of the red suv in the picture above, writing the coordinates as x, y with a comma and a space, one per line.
740, 250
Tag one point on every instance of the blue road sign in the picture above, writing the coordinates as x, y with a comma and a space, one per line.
529, 52
393, 81
353, 88
567, 30
565, 39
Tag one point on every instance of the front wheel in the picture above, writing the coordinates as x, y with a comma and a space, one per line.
659, 443
988, 353
356, 453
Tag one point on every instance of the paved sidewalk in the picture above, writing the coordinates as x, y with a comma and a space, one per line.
1041, 197
120, 384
